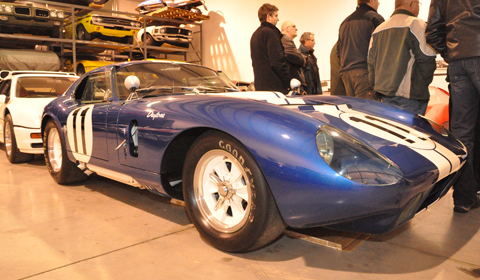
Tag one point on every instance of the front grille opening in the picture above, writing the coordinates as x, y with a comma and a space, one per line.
438, 190
41, 13
22, 11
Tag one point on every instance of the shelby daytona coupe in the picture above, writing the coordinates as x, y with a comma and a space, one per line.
248, 164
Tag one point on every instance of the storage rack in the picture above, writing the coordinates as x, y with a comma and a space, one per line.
73, 49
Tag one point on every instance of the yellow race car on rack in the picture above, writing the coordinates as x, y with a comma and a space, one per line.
110, 28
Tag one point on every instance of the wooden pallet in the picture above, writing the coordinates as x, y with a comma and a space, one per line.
176, 13
339, 240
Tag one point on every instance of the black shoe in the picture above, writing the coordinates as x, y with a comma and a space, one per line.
466, 209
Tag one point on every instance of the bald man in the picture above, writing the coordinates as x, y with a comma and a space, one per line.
400, 63
295, 59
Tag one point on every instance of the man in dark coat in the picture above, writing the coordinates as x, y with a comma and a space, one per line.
353, 42
295, 59
268, 56
452, 30
312, 76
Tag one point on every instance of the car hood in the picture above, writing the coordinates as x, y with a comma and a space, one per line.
385, 128
27, 112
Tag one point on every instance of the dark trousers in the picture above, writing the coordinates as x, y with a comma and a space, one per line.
464, 76
357, 84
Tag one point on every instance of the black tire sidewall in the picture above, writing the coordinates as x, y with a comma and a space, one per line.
246, 238
68, 173
13, 140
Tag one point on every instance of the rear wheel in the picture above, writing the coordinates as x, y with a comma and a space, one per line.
11, 150
60, 167
227, 197
80, 69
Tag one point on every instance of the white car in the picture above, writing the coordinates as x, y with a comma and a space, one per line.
159, 35
23, 95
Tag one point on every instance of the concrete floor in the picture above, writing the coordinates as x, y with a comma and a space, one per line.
102, 229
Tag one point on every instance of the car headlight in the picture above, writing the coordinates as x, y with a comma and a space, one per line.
8, 8
135, 24
53, 13
60, 14
97, 19
354, 160
190, 33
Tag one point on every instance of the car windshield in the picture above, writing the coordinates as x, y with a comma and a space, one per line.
166, 78
43, 87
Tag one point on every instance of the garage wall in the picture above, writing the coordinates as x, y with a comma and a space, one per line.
226, 36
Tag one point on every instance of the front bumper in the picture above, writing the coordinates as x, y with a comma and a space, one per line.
27, 144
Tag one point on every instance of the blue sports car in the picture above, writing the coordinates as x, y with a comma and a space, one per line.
249, 164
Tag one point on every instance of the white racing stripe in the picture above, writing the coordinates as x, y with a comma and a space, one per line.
80, 132
444, 159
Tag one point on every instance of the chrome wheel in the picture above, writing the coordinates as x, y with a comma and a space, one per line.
54, 150
222, 191
8, 139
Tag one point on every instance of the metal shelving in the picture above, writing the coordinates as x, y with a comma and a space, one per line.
74, 49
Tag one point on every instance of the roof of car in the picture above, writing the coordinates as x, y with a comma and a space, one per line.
6, 73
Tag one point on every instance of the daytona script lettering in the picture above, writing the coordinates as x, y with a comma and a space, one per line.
155, 115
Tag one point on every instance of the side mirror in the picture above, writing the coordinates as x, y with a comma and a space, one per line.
295, 85
132, 83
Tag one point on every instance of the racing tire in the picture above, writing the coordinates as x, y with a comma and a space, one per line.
62, 170
82, 34
80, 69
11, 150
227, 197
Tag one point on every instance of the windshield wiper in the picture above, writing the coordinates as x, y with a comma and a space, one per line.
153, 88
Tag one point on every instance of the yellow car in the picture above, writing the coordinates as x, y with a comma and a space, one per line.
83, 66
91, 26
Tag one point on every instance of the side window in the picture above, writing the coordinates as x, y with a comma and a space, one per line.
5, 87
96, 89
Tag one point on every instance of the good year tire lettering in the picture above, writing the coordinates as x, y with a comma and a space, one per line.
228, 148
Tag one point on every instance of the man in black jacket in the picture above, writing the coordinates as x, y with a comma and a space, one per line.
268, 56
312, 76
353, 41
453, 31
295, 59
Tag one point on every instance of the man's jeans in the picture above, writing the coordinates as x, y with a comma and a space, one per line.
415, 106
464, 78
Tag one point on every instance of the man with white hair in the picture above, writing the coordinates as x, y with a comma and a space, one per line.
295, 59
400, 63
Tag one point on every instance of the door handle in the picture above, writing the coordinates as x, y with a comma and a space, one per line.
121, 144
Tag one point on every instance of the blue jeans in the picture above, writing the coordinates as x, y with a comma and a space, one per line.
464, 78
415, 106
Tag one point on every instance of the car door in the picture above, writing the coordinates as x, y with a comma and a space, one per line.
86, 121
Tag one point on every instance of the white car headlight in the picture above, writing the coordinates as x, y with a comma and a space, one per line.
354, 160
8, 8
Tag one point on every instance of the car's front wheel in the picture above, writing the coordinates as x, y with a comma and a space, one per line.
227, 197
148, 39
82, 33
11, 150
60, 167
